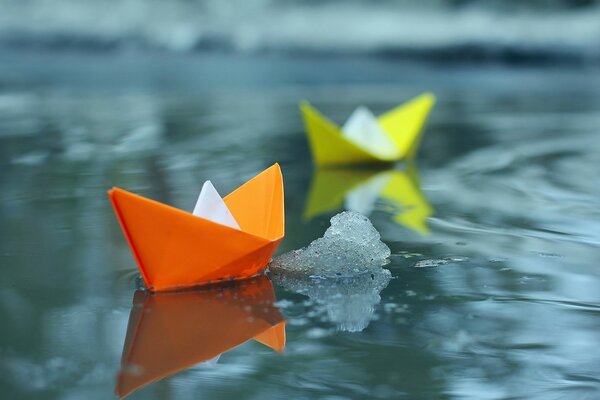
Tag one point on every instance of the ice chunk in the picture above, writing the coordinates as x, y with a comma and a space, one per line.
430, 263
363, 129
211, 206
342, 271
350, 246
439, 262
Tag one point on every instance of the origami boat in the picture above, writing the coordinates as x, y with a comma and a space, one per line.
170, 332
175, 249
397, 191
391, 137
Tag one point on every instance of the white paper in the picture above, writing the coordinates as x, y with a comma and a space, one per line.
362, 128
362, 199
211, 206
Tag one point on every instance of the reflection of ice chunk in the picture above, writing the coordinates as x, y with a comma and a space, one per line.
341, 271
363, 129
349, 302
351, 245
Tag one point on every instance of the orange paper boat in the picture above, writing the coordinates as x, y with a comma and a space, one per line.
175, 249
170, 332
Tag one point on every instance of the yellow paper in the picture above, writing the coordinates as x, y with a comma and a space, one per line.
403, 126
395, 191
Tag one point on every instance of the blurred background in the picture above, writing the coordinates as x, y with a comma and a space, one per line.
511, 31
494, 231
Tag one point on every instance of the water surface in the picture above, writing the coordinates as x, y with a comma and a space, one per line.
495, 232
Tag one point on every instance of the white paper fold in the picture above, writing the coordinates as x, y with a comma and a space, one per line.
363, 129
211, 206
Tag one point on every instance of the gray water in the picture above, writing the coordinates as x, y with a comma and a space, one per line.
499, 300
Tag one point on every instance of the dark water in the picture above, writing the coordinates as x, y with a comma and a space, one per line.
496, 286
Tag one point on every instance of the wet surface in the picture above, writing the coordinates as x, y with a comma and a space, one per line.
494, 233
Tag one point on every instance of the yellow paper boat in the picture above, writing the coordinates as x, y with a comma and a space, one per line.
403, 126
175, 249
171, 332
332, 189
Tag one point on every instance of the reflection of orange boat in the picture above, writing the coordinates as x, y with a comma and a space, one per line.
175, 249
170, 332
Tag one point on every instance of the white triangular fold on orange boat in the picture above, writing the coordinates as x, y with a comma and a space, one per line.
210, 205
362, 128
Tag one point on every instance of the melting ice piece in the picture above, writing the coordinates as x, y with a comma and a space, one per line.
211, 206
363, 129
350, 246
342, 271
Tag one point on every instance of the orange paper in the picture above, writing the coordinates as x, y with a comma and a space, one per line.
175, 249
170, 332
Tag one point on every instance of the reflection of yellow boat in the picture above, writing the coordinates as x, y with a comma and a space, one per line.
398, 191
400, 129
170, 332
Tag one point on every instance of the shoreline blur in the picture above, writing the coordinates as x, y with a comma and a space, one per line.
507, 32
